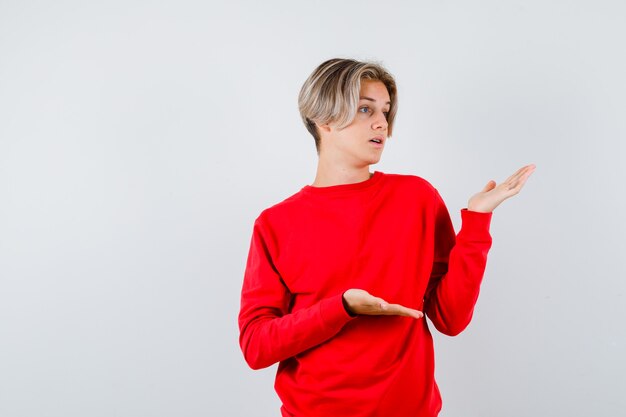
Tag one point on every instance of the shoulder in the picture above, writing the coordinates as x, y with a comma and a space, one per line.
282, 211
414, 188
412, 182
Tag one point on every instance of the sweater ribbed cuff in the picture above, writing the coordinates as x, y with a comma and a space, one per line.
475, 223
333, 311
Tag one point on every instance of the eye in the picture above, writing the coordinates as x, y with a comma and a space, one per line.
386, 113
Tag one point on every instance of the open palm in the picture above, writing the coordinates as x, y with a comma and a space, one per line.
492, 195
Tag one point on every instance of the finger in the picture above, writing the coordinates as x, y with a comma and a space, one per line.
520, 176
400, 310
525, 176
528, 169
519, 182
490, 186
514, 174
519, 173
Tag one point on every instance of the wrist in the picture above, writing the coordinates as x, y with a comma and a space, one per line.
346, 306
477, 210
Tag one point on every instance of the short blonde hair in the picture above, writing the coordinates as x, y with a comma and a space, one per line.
331, 93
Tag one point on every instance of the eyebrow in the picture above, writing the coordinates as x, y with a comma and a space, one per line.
371, 99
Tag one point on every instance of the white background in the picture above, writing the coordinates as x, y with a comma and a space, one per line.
139, 140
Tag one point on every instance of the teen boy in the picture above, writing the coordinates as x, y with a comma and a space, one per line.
340, 274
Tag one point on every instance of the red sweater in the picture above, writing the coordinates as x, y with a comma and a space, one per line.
390, 235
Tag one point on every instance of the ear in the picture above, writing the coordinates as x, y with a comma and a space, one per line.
325, 127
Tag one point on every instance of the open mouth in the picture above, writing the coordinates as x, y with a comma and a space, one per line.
376, 140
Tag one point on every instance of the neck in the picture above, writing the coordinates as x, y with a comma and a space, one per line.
328, 175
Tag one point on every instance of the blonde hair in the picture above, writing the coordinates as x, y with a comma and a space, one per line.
331, 93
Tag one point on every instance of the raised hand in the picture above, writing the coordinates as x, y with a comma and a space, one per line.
492, 195
362, 302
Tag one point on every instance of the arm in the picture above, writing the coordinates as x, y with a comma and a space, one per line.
458, 267
268, 331
459, 263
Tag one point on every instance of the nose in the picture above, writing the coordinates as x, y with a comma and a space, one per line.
380, 122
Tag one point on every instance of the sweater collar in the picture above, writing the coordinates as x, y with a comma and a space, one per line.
345, 188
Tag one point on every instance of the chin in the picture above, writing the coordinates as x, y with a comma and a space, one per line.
372, 161
370, 158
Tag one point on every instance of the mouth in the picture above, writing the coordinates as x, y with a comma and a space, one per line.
378, 141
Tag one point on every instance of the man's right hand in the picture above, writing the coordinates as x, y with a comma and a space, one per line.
362, 302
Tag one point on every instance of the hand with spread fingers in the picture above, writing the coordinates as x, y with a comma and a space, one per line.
361, 302
492, 195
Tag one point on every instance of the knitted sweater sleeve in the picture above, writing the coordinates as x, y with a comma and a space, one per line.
458, 268
268, 331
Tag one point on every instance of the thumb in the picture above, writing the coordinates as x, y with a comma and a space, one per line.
490, 186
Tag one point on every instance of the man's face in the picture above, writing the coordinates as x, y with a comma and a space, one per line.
353, 145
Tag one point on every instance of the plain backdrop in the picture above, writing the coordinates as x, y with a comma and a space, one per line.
140, 139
